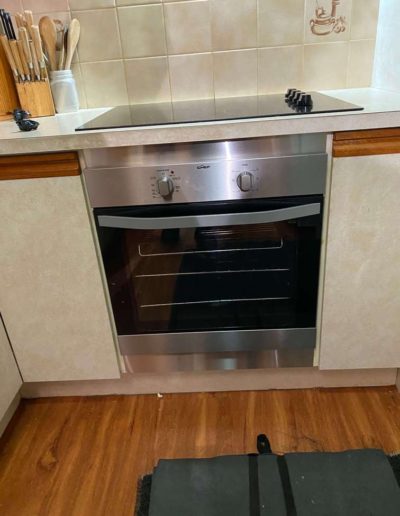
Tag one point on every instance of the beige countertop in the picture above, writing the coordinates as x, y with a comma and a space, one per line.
57, 133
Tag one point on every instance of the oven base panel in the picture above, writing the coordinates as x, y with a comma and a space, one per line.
219, 350
271, 358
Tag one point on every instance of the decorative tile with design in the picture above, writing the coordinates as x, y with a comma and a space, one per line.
327, 20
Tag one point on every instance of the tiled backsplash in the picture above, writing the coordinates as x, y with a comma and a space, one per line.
151, 50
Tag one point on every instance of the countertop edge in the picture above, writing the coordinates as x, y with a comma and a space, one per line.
207, 131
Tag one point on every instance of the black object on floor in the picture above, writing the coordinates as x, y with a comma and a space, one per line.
350, 483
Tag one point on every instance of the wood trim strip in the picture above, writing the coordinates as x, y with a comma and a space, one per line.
366, 143
369, 133
32, 166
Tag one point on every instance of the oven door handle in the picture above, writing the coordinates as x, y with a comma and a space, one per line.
201, 221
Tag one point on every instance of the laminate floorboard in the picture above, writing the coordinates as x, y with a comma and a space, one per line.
83, 456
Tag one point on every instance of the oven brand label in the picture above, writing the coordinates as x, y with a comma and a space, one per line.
201, 167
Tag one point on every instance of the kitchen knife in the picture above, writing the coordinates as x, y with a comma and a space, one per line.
4, 23
23, 36
35, 61
2, 31
39, 51
9, 25
22, 56
7, 50
19, 20
17, 59
29, 22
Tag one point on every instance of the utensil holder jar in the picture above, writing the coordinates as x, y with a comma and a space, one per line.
64, 90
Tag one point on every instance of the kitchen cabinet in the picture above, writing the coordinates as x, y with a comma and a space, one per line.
361, 297
51, 293
10, 379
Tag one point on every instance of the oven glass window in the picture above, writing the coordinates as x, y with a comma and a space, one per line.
253, 276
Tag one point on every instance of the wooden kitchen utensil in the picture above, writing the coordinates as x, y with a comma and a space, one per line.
48, 34
74, 32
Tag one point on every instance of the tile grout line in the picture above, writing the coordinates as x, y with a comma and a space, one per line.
166, 51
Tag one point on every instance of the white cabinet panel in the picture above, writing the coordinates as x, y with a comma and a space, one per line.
361, 304
10, 379
51, 292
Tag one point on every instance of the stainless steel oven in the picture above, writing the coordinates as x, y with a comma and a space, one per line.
211, 250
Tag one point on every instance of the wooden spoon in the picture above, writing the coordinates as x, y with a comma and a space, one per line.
74, 32
48, 33
61, 55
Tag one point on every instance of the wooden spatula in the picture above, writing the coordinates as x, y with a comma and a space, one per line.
48, 33
74, 32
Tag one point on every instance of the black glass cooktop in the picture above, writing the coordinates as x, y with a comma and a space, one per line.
261, 106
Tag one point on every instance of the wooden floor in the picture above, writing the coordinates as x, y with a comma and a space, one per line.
83, 456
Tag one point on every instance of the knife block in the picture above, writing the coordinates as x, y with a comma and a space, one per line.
8, 92
36, 98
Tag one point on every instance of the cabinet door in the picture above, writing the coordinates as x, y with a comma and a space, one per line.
51, 291
10, 379
361, 301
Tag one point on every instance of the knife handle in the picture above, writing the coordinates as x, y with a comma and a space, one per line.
17, 59
29, 22
35, 60
21, 53
7, 50
39, 51
7, 18
19, 20
23, 36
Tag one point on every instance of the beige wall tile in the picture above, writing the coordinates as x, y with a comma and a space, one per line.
99, 35
137, 2
280, 68
191, 76
188, 27
148, 80
343, 9
142, 30
12, 6
105, 83
325, 66
80, 5
45, 6
364, 19
280, 22
361, 60
234, 24
235, 73
64, 16
76, 70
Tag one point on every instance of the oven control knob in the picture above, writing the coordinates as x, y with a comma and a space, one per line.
165, 186
245, 181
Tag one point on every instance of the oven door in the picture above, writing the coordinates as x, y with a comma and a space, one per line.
233, 276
